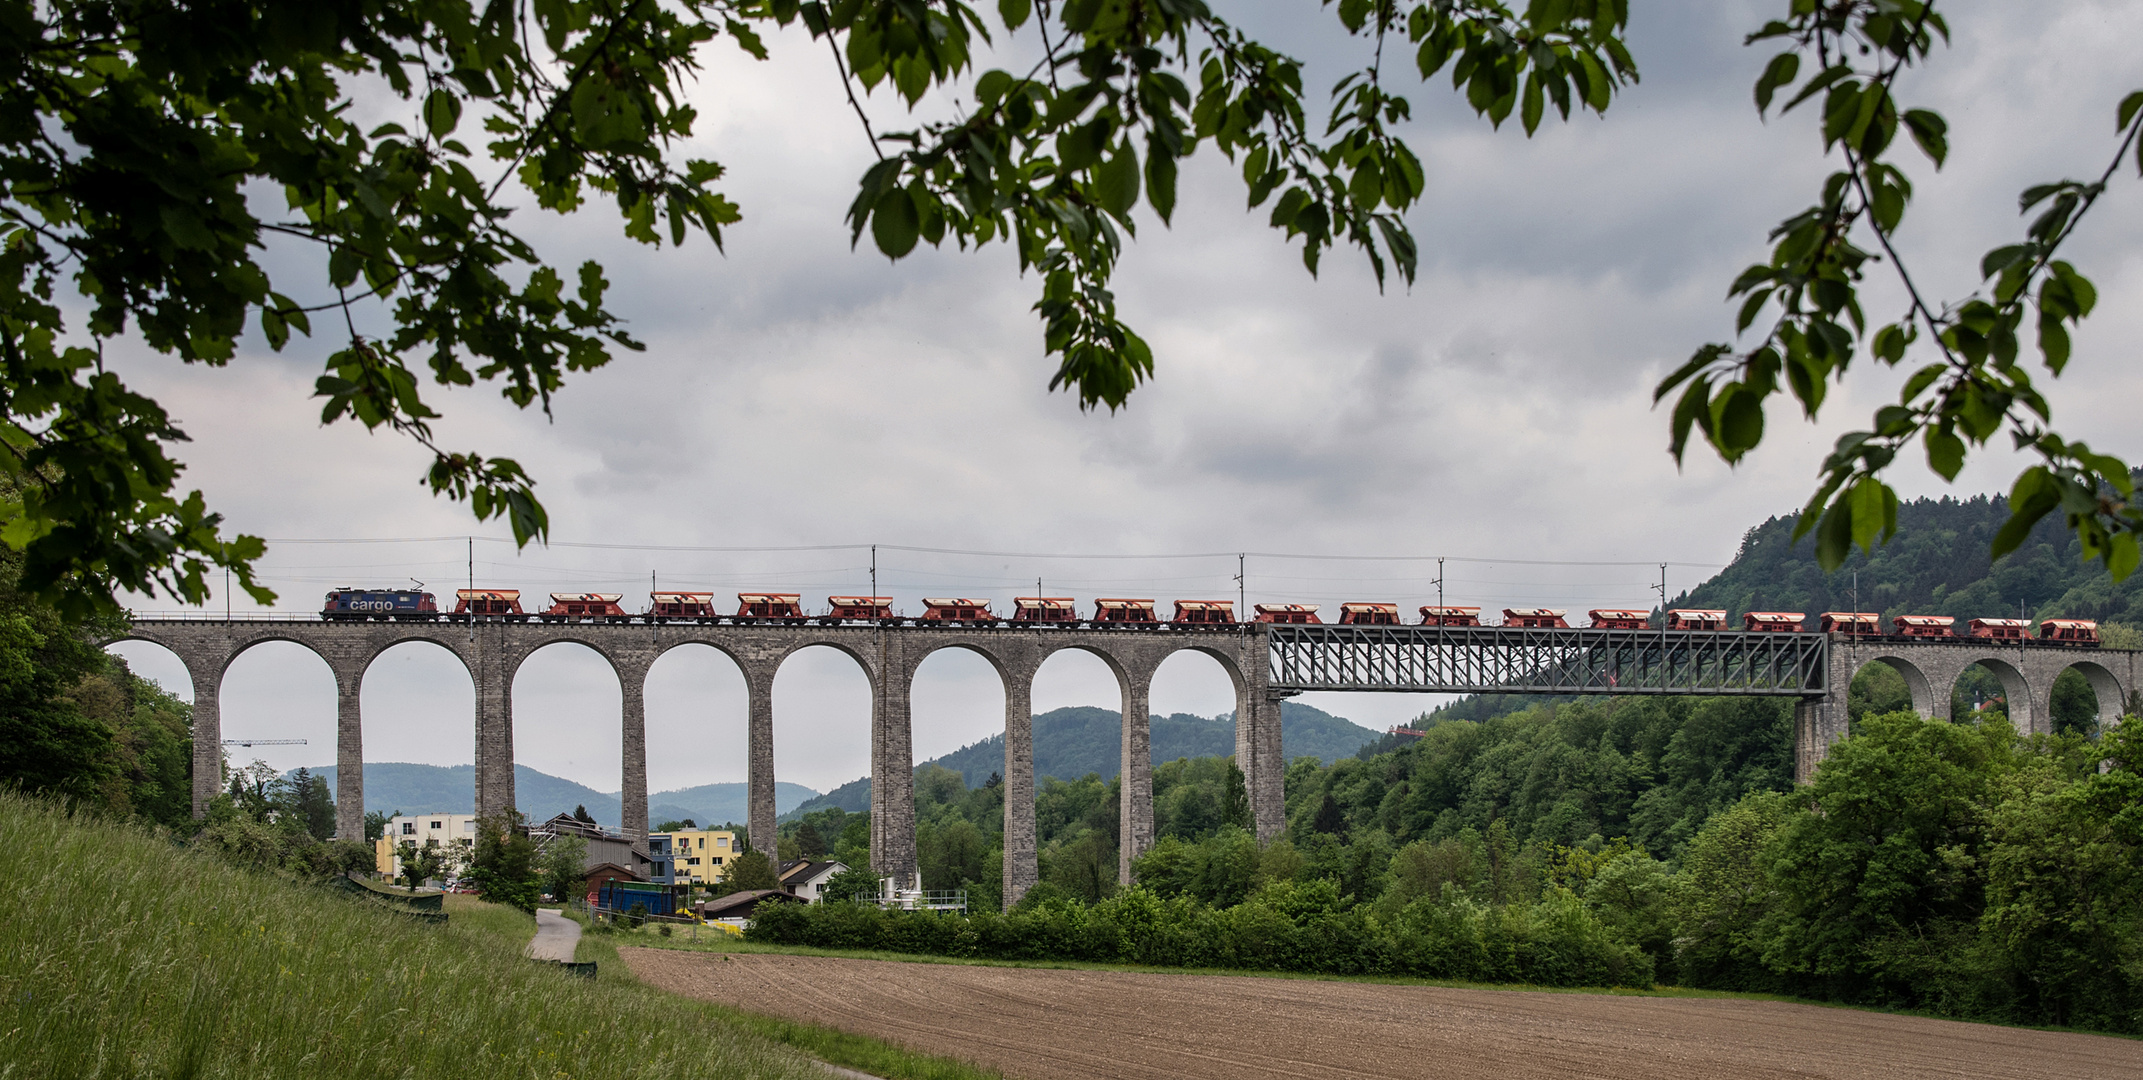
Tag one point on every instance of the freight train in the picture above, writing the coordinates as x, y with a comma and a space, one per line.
787, 609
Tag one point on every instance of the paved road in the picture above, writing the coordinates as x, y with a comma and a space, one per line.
556, 936
1040, 1024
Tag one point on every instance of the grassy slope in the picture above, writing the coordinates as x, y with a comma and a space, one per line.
123, 955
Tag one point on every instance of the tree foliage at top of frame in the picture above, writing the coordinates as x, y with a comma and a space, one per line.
138, 136
1845, 58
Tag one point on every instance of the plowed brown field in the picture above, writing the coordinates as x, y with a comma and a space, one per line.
1038, 1024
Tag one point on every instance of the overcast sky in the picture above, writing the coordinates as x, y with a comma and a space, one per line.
796, 393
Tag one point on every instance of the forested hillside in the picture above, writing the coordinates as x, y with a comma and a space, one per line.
451, 789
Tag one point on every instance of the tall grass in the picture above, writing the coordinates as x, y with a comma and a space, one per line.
122, 955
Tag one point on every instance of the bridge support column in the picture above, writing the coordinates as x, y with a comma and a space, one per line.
349, 755
759, 828
1135, 835
494, 670
632, 698
207, 733
893, 778
1258, 751
1022, 861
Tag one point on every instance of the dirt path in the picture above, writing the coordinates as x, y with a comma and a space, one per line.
556, 936
1044, 1025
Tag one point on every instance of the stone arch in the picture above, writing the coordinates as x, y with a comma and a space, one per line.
698, 715
1916, 683
517, 720
2112, 696
2023, 711
870, 670
186, 672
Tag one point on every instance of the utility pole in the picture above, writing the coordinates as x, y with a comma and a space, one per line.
1242, 589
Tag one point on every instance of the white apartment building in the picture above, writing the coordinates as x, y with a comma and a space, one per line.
456, 831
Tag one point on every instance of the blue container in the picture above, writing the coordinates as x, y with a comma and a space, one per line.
620, 896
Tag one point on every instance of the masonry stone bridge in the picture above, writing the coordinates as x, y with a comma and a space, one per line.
493, 653
1264, 662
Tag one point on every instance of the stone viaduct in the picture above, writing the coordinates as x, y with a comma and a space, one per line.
493, 653
1931, 668
889, 657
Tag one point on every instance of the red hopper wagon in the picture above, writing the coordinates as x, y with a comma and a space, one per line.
957, 611
1205, 613
585, 607
1543, 618
1043, 609
1450, 616
1922, 625
872, 608
2078, 632
770, 607
1619, 619
695, 606
1696, 619
1856, 623
1288, 614
492, 603
2000, 629
1773, 622
1119, 612
1369, 614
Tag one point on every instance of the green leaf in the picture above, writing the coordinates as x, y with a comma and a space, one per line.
1781, 71
1945, 452
1529, 113
2122, 555
895, 223
442, 111
2126, 114
1116, 181
2035, 494
1834, 537
1930, 132
1739, 422
1870, 498
1160, 180
1014, 12
2000, 258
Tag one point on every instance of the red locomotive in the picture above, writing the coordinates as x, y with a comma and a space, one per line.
770, 607
1620, 619
1450, 616
1852, 623
1369, 614
1922, 625
2082, 633
1999, 629
1773, 622
1120, 612
681, 606
490, 604
585, 607
1288, 614
973, 612
864, 608
1696, 619
1204, 613
1543, 618
1030, 610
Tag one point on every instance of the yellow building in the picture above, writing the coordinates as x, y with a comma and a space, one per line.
701, 856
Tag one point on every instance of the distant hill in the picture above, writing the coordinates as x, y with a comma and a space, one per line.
419, 789
1071, 742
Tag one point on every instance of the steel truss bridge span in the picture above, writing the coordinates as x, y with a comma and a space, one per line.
1503, 660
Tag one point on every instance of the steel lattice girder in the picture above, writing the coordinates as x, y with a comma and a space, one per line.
1507, 660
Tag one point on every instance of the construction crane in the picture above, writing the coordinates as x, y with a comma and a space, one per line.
263, 742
